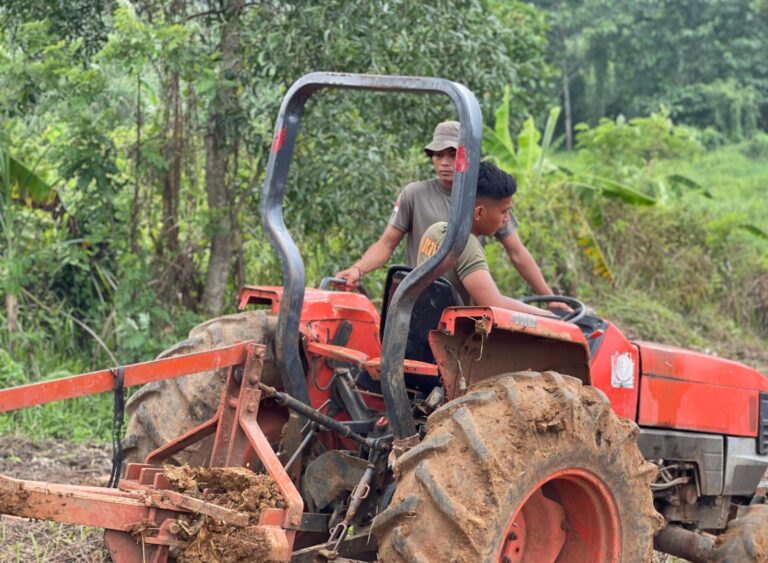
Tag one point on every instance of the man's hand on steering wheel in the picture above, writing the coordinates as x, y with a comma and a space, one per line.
576, 310
560, 306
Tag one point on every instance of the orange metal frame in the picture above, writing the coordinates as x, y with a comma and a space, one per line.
143, 497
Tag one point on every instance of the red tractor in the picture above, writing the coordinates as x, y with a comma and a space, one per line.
430, 431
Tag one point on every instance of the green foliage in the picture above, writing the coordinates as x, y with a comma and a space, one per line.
622, 146
729, 106
528, 161
757, 147
629, 150
18, 182
705, 60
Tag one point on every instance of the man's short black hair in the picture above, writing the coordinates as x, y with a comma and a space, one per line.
494, 183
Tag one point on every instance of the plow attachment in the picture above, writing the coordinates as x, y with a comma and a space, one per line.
148, 517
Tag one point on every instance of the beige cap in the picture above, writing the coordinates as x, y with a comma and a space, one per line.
446, 136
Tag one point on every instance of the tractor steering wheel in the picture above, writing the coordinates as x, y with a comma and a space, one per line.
326, 284
579, 309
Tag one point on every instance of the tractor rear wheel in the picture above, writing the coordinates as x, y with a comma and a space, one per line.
163, 410
524, 467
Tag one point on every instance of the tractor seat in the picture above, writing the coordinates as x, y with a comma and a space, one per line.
427, 311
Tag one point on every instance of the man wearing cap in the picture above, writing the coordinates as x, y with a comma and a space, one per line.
422, 204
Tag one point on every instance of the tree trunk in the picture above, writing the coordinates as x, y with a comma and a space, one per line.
172, 178
567, 107
135, 204
12, 312
218, 151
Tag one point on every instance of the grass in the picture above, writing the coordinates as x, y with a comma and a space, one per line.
23, 540
738, 183
84, 418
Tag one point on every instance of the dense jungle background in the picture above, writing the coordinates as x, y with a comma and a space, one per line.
134, 137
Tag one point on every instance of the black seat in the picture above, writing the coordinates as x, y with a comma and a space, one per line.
426, 315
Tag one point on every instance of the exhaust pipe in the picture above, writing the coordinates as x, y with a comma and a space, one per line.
693, 546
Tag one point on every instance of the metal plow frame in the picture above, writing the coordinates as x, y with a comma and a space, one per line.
143, 517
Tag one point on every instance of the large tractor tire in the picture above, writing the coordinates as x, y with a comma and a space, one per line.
163, 410
524, 467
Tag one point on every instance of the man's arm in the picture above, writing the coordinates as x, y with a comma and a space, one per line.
481, 287
525, 264
528, 268
375, 257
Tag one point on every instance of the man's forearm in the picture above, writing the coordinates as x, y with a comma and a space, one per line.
530, 272
515, 305
375, 257
484, 292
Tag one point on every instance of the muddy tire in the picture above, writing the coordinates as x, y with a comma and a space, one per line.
163, 410
746, 539
525, 466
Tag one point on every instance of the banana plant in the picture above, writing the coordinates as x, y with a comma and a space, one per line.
18, 185
528, 161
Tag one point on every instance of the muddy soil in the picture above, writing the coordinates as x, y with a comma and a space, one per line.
238, 489
60, 462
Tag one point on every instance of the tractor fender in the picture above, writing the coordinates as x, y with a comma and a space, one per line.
474, 343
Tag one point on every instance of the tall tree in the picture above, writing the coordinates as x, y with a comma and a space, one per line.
220, 143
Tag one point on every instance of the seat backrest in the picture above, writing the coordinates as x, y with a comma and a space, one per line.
426, 314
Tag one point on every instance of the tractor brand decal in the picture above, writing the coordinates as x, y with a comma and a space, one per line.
622, 370
523, 319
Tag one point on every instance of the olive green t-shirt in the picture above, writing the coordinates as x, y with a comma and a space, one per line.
471, 260
421, 205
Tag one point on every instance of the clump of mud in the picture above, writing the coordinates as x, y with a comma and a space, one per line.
236, 488
227, 544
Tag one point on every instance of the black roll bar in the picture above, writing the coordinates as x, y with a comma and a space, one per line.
401, 305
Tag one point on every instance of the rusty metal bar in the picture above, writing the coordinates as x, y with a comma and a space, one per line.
102, 381
89, 506
274, 468
176, 445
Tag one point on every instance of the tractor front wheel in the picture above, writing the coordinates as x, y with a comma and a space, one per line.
524, 467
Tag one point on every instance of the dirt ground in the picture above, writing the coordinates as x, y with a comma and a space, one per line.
56, 461
90, 464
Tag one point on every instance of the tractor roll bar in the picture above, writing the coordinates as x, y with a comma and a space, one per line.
401, 305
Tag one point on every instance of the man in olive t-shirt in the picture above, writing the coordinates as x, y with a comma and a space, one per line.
421, 204
470, 275
472, 258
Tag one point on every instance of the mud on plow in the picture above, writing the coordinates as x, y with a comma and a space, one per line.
154, 510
